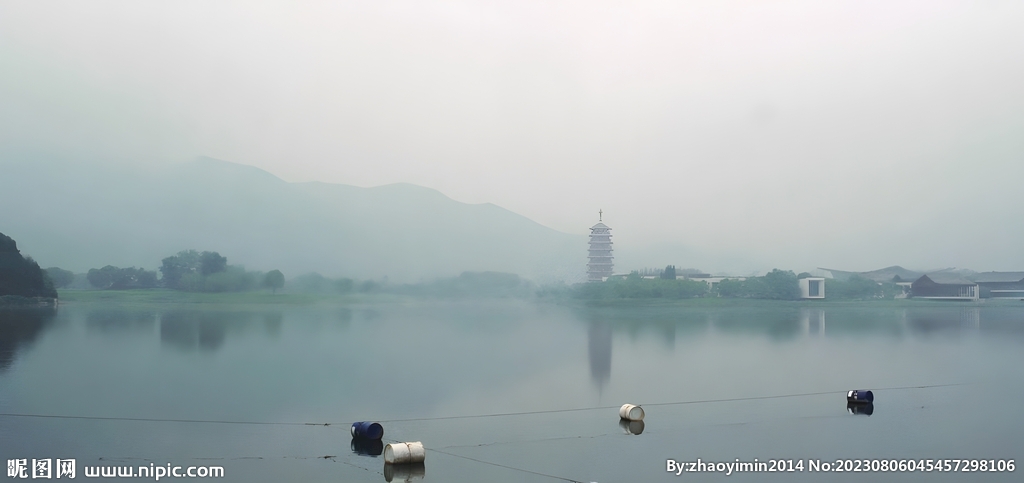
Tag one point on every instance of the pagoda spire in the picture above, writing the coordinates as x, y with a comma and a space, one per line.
600, 264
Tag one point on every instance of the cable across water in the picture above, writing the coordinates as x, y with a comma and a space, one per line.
469, 416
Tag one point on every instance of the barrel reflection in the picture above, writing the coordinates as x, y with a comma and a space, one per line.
631, 427
860, 408
367, 447
406, 472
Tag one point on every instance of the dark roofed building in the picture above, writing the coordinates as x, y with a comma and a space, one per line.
944, 286
1001, 284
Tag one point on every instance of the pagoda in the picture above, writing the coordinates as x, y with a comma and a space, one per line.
599, 267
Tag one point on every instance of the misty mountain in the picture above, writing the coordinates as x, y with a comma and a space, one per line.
85, 215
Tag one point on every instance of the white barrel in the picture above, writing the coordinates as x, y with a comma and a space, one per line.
403, 453
631, 412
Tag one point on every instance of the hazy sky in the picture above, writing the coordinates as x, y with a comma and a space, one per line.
795, 134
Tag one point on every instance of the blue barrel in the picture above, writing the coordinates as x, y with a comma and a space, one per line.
367, 447
860, 397
368, 430
866, 409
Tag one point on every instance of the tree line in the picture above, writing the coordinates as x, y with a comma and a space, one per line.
209, 271
775, 285
187, 270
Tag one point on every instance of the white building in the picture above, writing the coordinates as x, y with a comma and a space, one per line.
599, 268
812, 288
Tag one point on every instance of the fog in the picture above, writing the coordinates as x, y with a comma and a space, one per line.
729, 136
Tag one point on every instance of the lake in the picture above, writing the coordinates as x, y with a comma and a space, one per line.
513, 391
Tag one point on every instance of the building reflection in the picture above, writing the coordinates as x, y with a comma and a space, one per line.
812, 321
790, 323
926, 321
599, 352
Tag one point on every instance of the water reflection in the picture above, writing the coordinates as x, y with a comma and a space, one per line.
191, 329
631, 427
927, 321
120, 320
812, 320
776, 323
272, 322
19, 328
208, 329
860, 408
294, 364
787, 322
407, 472
599, 353
367, 447
791, 322
345, 316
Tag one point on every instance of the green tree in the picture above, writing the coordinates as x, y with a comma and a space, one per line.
111, 277
233, 279
101, 278
177, 266
273, 280
732, 288
669, 273
211, 263
21, 276
369, 286
781, 285
192, 282
344, 285
61, 278
775, 285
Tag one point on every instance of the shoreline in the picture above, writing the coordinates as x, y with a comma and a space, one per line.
162, 296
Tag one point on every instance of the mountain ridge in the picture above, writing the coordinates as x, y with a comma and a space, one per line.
95, 215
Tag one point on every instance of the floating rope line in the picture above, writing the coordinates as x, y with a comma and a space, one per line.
470, 416
505, 466
700, 401
604, 435
160, 420
754, 398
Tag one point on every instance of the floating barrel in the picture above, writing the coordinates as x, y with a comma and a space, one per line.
631, 427
368, 430
367, 447
631, 412
410, 472
860, 397
404, 453
860, 408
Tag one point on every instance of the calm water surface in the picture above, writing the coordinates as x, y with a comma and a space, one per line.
704, 375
